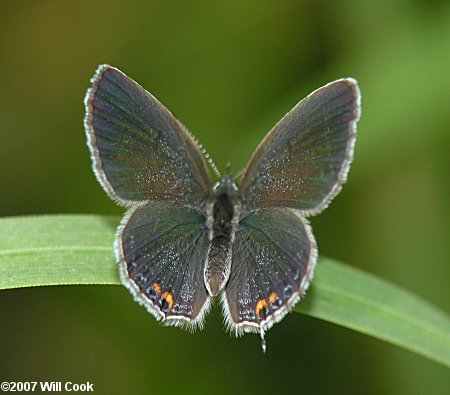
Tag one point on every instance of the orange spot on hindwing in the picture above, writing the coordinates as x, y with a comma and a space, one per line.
166, 301
157, 288
261, 309
273, 297
166, 298
262, 306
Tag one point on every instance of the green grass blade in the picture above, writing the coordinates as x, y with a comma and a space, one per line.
360, 301
57, 250
65, 249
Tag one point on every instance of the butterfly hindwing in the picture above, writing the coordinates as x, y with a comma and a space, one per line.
162, 248
273, 258
304, 159
140, 151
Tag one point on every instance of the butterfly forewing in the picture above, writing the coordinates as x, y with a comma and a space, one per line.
304, 160
140, 150
162, 248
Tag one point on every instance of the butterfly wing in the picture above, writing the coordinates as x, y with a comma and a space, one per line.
162, 248
304, 159
140, 151
273, 258
145, 159
295, 172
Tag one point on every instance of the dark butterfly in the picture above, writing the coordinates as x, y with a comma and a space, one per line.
184, 240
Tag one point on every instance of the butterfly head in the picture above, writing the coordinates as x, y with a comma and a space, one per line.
225, 185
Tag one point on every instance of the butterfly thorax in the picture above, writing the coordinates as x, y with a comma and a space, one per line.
223, 217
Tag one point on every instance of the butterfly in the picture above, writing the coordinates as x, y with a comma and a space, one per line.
184, 239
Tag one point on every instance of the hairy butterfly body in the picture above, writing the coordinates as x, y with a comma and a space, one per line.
185, 240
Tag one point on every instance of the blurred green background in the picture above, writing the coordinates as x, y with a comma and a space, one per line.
229, 71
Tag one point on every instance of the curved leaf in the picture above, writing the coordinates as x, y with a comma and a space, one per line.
77, 249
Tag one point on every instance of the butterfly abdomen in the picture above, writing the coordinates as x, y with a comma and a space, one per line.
217, 269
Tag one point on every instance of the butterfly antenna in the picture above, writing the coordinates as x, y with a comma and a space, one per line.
228, 170
237, 175
207, 157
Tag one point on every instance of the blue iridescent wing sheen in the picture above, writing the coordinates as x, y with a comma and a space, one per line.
273, 259
162, 248
305, 158
140, 151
